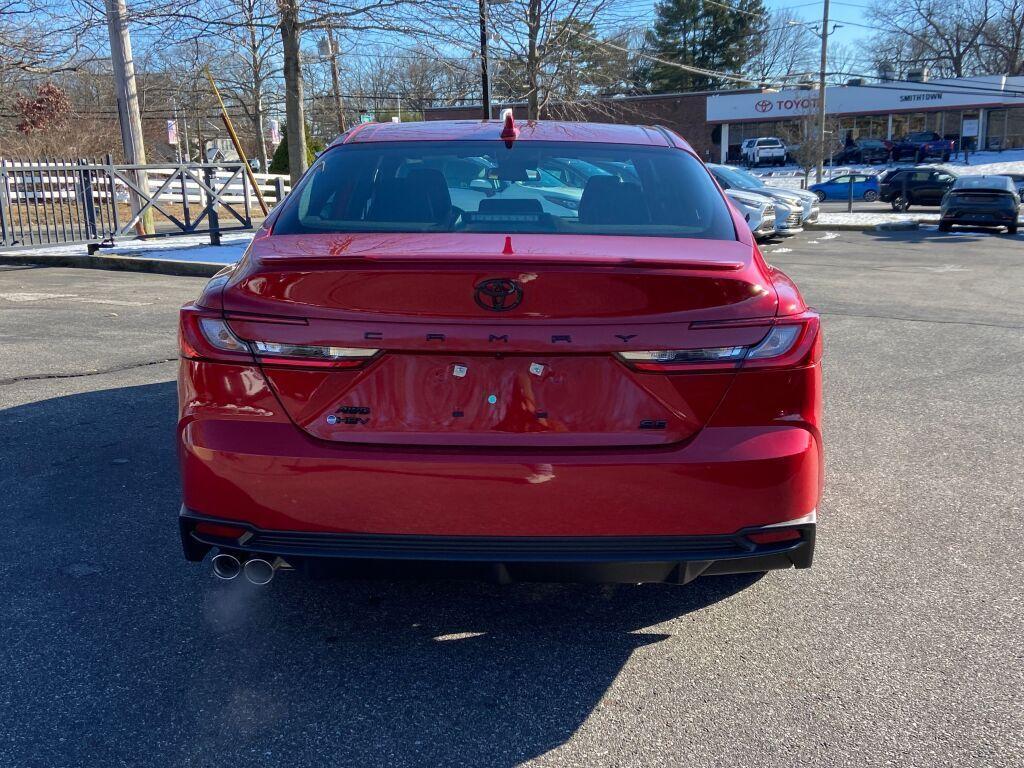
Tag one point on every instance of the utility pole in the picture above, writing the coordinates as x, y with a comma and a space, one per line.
339, 105
128, 105
485, 81
295, 113
821, 93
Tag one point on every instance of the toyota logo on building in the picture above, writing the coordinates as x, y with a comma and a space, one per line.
763, 106
499, 295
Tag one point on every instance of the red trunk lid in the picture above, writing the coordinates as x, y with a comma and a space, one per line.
534, 367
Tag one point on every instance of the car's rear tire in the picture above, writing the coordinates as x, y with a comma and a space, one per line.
870, 195
1011, 229
945, 226
945, 157
900, 204
820, 195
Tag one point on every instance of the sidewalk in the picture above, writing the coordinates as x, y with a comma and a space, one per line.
190, 255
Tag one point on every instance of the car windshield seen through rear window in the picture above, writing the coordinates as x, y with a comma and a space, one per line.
485, 186
987, 183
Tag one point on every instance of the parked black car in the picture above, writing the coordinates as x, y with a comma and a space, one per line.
863, 151
981, 201
1018, 182
904, 187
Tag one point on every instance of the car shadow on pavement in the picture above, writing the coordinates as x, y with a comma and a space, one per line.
959, 236
120, 652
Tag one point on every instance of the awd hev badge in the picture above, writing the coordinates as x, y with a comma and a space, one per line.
350, 414
498, 295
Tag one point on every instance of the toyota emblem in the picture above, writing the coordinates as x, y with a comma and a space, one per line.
498, 295
763, 106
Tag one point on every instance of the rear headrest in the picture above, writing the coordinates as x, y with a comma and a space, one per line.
609, 200
422, 196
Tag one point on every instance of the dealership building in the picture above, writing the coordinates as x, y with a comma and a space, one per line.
987, 112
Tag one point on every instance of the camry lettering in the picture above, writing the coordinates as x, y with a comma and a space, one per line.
498, 338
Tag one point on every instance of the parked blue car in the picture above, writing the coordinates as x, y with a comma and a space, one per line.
865, 187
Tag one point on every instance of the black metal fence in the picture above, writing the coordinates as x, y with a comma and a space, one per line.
50, 202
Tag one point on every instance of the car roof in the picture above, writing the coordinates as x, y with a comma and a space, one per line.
529, 130
918, 168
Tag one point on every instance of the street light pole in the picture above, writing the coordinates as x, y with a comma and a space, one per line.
485, 81
821, 92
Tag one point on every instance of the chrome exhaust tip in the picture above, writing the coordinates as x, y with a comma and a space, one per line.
226, 566
259, 571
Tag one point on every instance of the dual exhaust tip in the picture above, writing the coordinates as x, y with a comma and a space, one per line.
256, 570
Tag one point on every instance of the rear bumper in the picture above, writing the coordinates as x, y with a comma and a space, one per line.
675, 559
979, 218
274, 477
756, 465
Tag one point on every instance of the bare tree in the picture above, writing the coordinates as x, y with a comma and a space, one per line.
784, 50
944, 37
245, 69
807, 143
1002, 42
552, 51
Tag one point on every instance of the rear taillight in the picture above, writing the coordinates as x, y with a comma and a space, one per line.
780, 339
790, 342
311, 356
682, 359
206, 336
203, 335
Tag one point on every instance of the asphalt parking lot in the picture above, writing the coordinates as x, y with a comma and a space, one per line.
902, 646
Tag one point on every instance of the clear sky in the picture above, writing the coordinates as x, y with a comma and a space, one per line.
850, 14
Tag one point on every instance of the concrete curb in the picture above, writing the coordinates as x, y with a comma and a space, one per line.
888, 226
119, 263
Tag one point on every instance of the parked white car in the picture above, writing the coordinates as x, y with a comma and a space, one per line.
758, 210
789, 208
765, 150
809, 200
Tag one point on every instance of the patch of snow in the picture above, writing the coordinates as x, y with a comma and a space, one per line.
829, 236
781, 250
872, 219
175, 248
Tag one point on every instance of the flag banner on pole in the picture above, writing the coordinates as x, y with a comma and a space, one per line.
172, 132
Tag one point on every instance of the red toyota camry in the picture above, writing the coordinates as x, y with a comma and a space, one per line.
540, 350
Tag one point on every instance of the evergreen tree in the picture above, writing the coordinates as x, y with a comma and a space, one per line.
700, 34
279, 162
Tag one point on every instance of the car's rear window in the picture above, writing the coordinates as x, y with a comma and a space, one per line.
485, 186
987, 183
